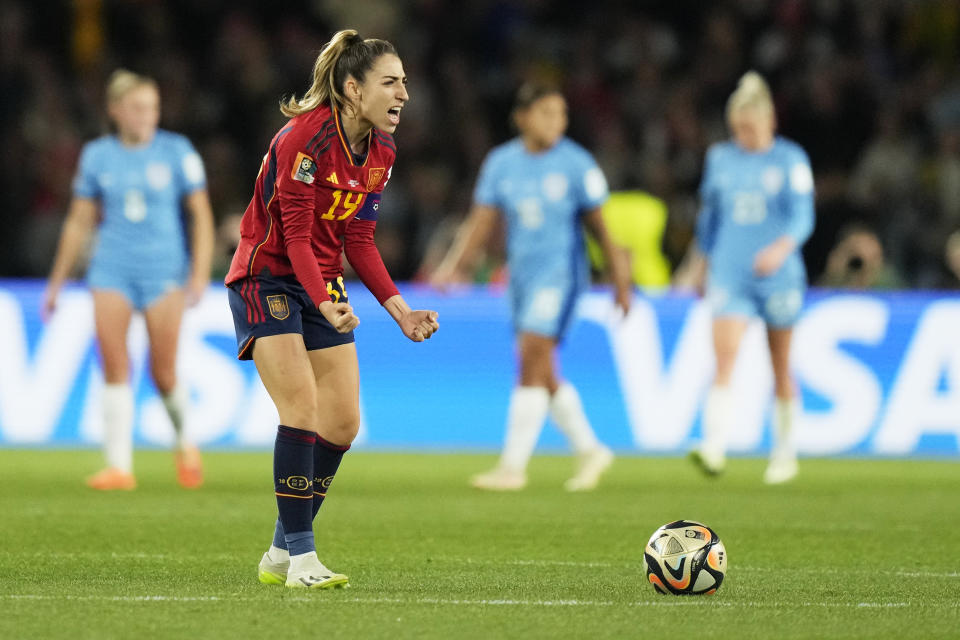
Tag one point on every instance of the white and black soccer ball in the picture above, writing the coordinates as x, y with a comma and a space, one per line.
685, 558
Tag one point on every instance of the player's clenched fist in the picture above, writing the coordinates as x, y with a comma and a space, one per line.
339, 315
419, 325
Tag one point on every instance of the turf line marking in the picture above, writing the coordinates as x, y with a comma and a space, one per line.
706, 602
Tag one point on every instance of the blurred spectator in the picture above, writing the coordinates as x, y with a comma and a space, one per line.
857, 262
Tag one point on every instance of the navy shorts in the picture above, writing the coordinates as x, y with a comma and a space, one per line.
269, 306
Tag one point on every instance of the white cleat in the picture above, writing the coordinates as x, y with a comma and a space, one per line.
499, 479
781, 469
272, 571
709, 462
307, 572
590, 467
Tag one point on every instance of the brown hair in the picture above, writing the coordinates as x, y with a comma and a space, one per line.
347, 54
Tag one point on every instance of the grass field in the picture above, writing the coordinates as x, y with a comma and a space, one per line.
852, 549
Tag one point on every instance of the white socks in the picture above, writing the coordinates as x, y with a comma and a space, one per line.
784, 412
118, 426
567, 412
716, 423
176, 405
528, 410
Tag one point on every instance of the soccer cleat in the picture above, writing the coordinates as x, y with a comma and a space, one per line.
270, 572
782, 468
710, 464
589, 469
499, 479
112, 479
189, 467
307, 572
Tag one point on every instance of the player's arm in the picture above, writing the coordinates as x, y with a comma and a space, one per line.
197, 204
692, 272
473, 234
362, 254
800, 220
614, 257
297, 195
79, 224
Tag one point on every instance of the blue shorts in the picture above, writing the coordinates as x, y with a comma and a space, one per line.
142, 291
777, 301
270, 306
543, 307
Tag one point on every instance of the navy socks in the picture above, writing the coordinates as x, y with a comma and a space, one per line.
293, 486
325, 460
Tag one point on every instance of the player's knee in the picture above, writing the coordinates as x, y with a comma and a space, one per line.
343, 430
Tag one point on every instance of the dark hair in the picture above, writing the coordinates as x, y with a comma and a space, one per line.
530, 92
347, 54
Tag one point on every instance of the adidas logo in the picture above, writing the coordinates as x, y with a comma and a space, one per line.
333, 178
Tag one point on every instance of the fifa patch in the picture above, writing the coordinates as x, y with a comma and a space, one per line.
304, 168
373, 178
278, 306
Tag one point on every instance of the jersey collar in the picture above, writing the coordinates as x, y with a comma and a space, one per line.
345, 144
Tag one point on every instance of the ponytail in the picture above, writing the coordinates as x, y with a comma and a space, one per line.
347, 54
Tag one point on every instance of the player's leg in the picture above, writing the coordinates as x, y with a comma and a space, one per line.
529, 404
112, 312
781, 309
163, 317
728, 332
783, 457
287, 375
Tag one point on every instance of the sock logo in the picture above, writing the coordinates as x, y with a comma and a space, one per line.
297, 483
325, 483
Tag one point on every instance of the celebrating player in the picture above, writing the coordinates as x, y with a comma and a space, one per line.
547, 187
317, 195
757, 211
136, 183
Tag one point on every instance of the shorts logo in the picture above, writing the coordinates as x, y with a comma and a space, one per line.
278, 306
297, 483
373, 178
303, 168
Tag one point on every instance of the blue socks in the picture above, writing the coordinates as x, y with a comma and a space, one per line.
288, 462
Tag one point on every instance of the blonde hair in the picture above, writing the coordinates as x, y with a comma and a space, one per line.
347, 54
752, 92
122, 82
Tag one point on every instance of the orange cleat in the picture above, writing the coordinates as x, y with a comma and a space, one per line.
189, 467
112, 479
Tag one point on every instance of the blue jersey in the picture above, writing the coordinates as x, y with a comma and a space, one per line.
140, 190
542, 196
748, 201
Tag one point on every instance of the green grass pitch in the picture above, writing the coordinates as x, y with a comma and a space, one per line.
852, 549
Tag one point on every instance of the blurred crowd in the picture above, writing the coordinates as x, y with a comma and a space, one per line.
871, 89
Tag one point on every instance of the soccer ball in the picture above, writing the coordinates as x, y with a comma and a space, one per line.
685, 558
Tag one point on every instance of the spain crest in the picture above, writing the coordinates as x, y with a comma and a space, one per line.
278, 306
373, 178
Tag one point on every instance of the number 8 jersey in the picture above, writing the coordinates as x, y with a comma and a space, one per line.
311, 186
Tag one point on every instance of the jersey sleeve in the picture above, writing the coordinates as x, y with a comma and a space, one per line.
296, 196
709, 217
485, 191
592, 184
190, 172
800, 189
85, 184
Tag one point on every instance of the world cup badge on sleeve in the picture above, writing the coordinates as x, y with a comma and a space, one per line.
304, 168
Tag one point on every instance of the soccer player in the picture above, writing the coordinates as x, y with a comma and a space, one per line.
317, 195
548, 188
134, 187
757, 211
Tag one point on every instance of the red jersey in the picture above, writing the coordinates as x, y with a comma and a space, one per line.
313, 200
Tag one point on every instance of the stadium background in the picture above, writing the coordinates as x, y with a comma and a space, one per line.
869, 88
